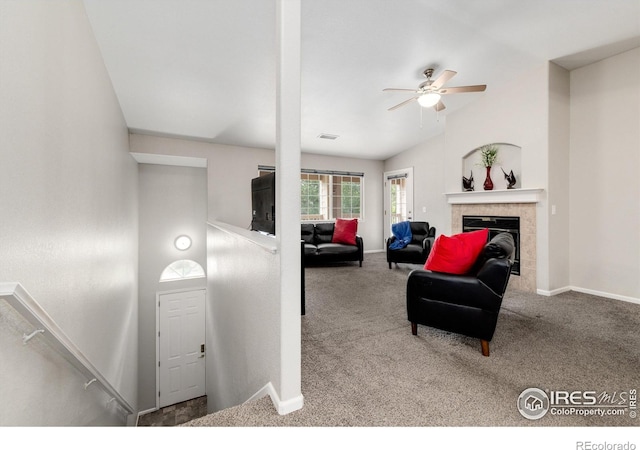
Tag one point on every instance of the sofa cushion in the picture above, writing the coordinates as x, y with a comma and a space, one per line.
501, 246
456, 254
324, 232
310, 249
411, 250
334, 249
308, 234
419, 231
345, 231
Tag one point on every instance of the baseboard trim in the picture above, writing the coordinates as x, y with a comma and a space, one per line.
374, 251
623, 298
553, 292
283, 408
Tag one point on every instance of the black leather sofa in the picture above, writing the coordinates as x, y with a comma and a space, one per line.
466, 304
422, 238
318, 248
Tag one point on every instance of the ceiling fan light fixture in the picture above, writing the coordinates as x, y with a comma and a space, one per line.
429, 99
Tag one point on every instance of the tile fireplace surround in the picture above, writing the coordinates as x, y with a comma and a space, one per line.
473, 206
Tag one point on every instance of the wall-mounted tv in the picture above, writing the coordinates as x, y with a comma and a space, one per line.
263, 203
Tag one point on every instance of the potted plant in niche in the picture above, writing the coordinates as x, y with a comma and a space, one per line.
488, 156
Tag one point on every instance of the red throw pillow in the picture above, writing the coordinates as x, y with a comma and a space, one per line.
344, 231
456, 254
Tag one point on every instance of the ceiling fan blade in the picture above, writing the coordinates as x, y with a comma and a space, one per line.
403, 103
442, 79
462, 89
439, 106
399, 90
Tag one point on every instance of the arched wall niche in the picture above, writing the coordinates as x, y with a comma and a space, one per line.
509, 159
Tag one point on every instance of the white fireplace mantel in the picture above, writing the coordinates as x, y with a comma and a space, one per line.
496, 196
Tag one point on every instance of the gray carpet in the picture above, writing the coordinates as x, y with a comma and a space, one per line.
361, 367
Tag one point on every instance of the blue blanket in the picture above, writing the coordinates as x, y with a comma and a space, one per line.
402, 233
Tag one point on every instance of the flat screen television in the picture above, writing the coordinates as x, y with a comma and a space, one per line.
263, 203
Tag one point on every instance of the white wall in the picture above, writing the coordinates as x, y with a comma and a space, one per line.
173, 201
605, 180
68, 196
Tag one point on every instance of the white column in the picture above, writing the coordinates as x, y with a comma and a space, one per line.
288, 200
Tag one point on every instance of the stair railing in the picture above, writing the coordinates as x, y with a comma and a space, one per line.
45, 326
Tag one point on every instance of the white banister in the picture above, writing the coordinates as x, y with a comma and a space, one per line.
44, 325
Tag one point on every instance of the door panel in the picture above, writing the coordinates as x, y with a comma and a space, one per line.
398, 198
181, 339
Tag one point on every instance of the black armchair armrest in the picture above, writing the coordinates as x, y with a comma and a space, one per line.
461, 290
427, 244
360, 245
495, 274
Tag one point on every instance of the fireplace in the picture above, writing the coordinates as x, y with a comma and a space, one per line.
526, 242
497, 225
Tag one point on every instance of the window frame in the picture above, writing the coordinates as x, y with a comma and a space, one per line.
327, 199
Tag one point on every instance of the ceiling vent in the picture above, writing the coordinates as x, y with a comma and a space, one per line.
328, 136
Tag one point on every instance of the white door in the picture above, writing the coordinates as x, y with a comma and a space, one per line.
181, 346
398, 198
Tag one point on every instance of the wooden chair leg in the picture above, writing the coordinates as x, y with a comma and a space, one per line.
414, 328
485, 347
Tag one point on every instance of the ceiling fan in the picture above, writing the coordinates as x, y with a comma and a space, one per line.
429, 92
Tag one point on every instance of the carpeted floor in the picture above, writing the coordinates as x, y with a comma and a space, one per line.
362, 367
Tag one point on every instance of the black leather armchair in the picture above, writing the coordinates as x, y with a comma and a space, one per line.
418, 249
466, 304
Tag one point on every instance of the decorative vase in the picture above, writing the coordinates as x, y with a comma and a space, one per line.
488, 184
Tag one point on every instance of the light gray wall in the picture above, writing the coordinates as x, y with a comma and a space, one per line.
68, 196
173, 201
605, 181
516, 113
230, 170
580, 134
559, 173
243, 318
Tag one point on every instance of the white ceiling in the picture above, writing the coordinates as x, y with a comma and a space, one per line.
205, 69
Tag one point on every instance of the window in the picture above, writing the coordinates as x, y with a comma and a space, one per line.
346, 197
328, 195
183, 269
398, 199
313, 196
